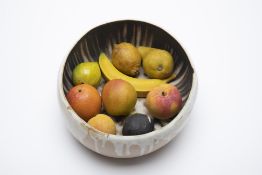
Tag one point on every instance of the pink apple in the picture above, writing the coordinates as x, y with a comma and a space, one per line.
164, 101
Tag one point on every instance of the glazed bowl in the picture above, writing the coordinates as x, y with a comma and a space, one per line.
101, 39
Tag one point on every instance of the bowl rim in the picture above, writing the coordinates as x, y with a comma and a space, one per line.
167, 127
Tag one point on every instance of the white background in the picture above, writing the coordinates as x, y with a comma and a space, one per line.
224, 41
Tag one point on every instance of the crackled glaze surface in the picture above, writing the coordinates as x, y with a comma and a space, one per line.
102, 39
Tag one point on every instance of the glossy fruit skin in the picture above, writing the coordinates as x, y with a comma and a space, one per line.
137, 124
85, 101
88, 73
164, 101
119, 97
158, 64
103, 123
126, 58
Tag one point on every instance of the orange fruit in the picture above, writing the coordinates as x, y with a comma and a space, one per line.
103, 123
85, 100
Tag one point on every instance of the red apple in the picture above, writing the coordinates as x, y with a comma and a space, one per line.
164, 101
85, 100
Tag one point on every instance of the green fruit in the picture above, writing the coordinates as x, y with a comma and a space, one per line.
158, 64
144, 50
87, 73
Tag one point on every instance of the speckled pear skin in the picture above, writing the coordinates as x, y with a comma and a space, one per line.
102, 39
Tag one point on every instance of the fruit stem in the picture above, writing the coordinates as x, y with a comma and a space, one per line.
172, 77
163, 93
160, 67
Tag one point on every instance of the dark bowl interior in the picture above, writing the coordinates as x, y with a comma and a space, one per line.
102, 38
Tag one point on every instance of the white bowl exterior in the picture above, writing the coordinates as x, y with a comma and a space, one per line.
124, 146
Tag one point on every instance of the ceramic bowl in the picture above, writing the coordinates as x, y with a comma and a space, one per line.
101, 39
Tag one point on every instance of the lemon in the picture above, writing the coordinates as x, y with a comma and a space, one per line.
87, 73
126, 58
